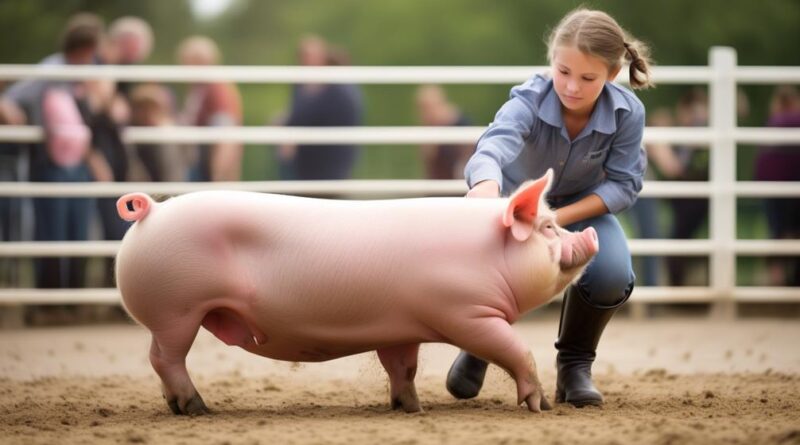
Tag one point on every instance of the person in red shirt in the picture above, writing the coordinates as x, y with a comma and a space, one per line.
211, 104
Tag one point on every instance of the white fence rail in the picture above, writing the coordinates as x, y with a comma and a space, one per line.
387, 135
721, 136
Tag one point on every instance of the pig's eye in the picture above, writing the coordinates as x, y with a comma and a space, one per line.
550, 230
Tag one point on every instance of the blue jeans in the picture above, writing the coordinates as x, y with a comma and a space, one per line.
608, 280
61, 219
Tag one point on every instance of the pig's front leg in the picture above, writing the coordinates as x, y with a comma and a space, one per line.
168, 357
400, 363
493, 339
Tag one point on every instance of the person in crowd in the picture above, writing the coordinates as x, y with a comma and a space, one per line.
322, 105
688, 163
60, 219
782, 163
211, 104
129, 41
79, 45
445, 161
10, 114
152, 105
589, 131
109, 157
10, 208
644, 213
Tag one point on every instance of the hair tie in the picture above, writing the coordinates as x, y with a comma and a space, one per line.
631, 51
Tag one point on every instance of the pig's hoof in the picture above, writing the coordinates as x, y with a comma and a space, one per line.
465, 378
537, 402
407, 404
193, 407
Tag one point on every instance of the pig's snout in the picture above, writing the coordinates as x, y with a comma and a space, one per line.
134, 206
589, 236
578, 248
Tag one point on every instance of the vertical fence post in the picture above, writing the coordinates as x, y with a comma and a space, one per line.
722, 174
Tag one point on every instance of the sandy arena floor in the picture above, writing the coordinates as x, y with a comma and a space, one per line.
666, 381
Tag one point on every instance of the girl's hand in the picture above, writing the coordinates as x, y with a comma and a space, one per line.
485, 189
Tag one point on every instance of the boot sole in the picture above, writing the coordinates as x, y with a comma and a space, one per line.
561, 398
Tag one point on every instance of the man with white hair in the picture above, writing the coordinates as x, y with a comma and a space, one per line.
130, 40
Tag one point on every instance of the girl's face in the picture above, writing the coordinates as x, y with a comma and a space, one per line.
578, 78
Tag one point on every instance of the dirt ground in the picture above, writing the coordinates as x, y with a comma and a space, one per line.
666, 381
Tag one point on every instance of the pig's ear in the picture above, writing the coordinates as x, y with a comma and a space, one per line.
523, 206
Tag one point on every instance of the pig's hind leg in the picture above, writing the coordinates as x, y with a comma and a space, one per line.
494, 340
400, 363
168, 356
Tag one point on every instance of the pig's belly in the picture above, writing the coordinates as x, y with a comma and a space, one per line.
309, 341
320, 326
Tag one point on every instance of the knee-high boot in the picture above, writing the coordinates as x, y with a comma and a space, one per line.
465, 378
582, 324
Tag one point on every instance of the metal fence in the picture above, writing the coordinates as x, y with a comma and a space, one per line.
722, 75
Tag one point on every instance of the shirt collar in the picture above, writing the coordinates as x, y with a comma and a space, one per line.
603, 117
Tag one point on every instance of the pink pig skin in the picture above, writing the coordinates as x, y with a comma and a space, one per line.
304, 279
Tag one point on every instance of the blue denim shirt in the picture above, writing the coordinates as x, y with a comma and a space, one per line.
528, 136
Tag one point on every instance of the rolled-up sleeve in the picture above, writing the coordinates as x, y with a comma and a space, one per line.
503, 141
625, 164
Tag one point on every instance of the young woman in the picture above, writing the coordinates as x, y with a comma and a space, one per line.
589, 131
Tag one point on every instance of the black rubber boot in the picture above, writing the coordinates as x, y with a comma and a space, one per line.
465, 378
582, 324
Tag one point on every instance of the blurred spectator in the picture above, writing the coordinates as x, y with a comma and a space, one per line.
129, 41
10, 208
79, 43
444, 161
688, 164
216, 104
108, 160
322, 105
644, 212
782, 163
60, 219
10, 114
152, 105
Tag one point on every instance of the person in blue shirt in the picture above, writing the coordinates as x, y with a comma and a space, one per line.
589, 131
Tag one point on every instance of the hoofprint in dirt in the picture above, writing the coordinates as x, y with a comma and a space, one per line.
665, 381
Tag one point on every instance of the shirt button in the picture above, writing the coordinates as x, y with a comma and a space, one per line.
561, 163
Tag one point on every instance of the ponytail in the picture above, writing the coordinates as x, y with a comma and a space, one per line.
637, 55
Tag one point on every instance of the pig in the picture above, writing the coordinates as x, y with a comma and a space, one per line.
309, 280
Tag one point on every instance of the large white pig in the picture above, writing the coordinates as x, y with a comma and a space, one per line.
308, 280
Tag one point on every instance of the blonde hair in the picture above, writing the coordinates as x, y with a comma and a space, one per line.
198, 50
598, 34
134, 27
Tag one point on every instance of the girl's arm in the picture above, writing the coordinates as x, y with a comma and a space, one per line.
502, 142
585, 208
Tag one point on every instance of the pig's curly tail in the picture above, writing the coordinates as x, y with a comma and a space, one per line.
134, 206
